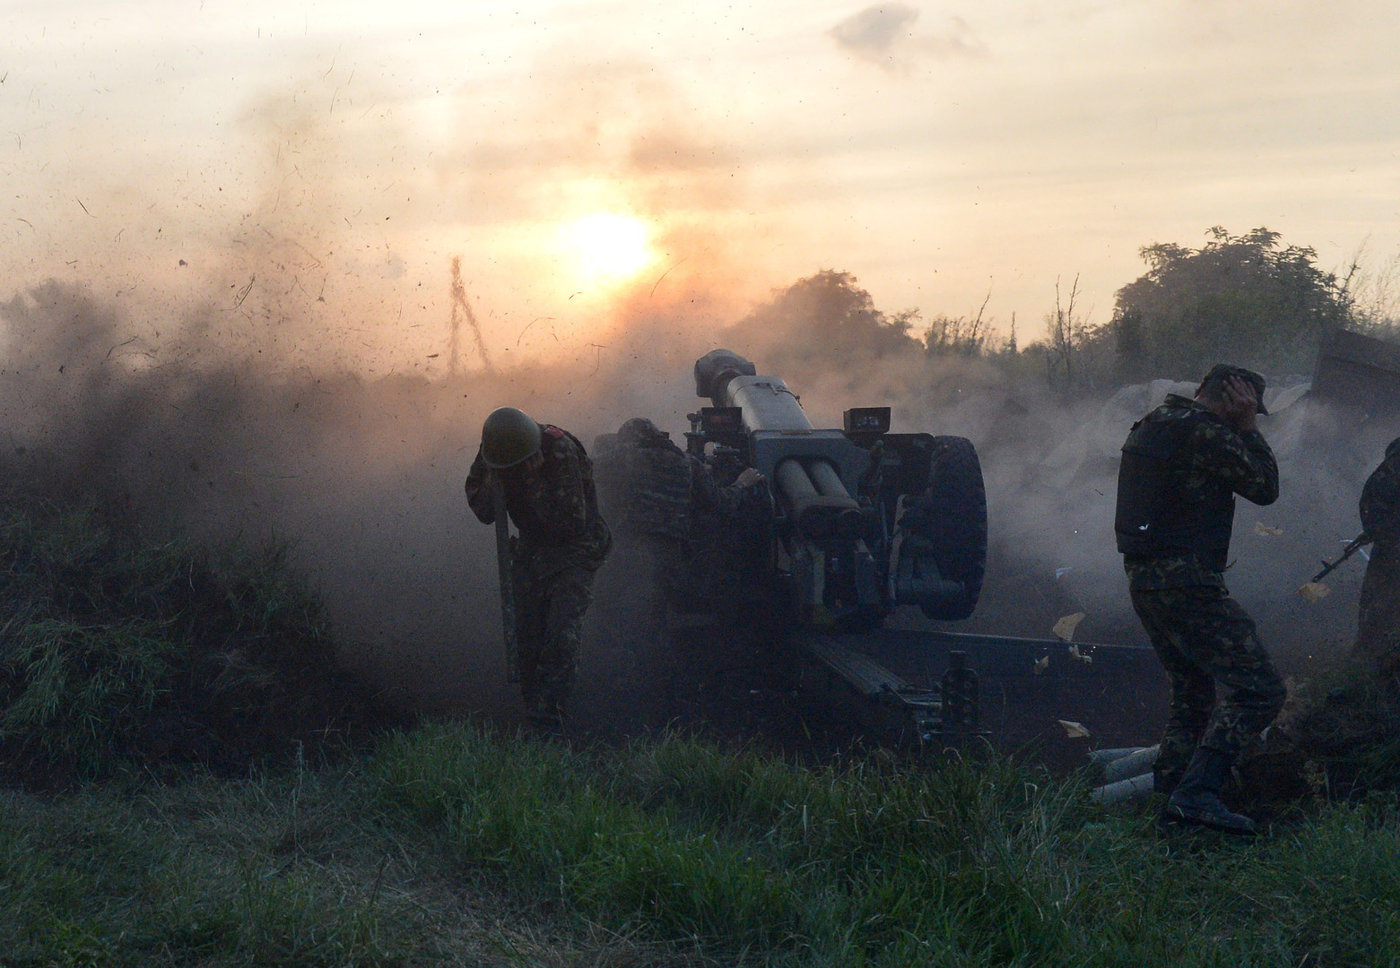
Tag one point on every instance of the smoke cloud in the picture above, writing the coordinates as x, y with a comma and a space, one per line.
364, 475
281, 366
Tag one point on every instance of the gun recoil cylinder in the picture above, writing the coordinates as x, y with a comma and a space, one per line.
820, 503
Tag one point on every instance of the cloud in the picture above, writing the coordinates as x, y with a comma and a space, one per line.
875, 31
884, 35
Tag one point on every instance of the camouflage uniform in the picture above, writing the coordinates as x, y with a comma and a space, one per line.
730, 533
563, 541
1378, 619
643, 481
1175, 556
661, 502
656, 495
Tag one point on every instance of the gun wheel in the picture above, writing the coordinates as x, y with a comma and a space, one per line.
957, 502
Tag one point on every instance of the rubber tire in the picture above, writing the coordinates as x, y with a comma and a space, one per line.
957, 498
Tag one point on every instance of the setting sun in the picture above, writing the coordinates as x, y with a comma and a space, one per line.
608, 247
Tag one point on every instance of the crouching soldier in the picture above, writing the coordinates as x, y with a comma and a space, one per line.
547, 480
652, 492
644, 485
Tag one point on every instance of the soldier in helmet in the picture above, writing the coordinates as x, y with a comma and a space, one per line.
1378, 618
651, 488
548, 483
651, 491
1182, 466
644, 483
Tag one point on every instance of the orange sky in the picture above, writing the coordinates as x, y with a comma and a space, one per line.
302, 174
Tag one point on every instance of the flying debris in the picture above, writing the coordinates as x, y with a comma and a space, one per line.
1074, 730
1314, 591
1064, 628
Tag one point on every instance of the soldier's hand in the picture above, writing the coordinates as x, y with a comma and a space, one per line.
1240, 405
749, 477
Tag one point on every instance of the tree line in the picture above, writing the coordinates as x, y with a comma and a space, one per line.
1247, 298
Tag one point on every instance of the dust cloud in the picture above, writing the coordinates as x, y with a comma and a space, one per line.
363, 475
280, 365
1052, 475
284, 334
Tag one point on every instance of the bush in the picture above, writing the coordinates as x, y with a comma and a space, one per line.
120, 651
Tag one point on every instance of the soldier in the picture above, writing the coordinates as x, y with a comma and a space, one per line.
652, 492
1182, 465
1378, 620
644, 483
549, 494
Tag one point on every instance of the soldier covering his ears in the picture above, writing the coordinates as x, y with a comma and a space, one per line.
1182, 466
547, 480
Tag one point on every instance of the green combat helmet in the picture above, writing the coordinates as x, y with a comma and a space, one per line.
509, 437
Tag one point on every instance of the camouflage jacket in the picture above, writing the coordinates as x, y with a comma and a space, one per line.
555, 507
649, 486
1380, 499
1211, 457
644, 485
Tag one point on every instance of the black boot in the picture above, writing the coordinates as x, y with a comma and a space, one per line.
1196, 799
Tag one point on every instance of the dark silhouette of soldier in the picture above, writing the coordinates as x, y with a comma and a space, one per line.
1181, 468
549, 494
1378, 616
658, 500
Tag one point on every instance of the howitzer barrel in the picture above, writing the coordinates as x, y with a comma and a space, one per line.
729, 380
802, 461
767, 403
863, 519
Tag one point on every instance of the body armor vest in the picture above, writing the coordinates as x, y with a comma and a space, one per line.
1159, 515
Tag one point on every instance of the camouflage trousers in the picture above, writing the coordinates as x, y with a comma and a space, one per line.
549, 613
655, 567
1378, 615
1207, 644
641, 583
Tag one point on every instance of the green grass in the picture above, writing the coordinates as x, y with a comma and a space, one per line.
452, 845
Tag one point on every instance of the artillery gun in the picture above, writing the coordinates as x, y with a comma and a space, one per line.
853, 523
862, 520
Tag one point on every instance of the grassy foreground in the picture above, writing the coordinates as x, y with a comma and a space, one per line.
448, 845
186, 778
